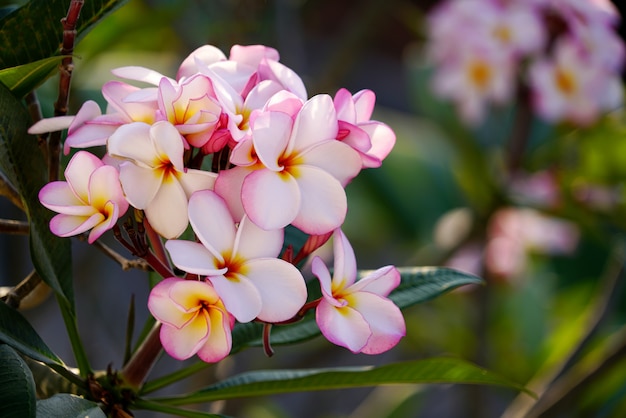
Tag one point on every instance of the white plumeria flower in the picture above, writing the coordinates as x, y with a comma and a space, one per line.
240, 262
153, 175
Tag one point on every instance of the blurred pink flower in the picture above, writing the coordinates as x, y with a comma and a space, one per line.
194, 319
357, 314
90, 198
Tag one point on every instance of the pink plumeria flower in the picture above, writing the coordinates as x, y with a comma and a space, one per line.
477, 76
90, 127
90, 198
190, 107
357, 314
569, 87
194, 319
296, 172
153, 175
373, 140
246, 67
240, 262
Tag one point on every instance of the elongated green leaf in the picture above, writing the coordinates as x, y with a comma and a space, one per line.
173, 411
16, 331
68, 406
25, 78
419, 284
23, 164
17, 387
34, 31
259, 383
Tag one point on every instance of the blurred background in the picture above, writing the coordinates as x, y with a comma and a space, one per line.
550, 243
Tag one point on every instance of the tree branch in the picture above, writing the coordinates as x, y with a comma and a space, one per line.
10, 226
29, 293
8, 190
65, 69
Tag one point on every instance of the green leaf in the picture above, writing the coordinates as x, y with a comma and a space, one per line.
34, 31
64, 405
25, 78
16, 331
260, 383
17, 387
419, 284
24, 166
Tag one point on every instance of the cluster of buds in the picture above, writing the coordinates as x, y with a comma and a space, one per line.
564, 55
234, 148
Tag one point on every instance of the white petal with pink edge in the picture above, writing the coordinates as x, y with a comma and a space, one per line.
384, 318
271, 200
342, 326
140, 184
240, 296
253, 242
316, 121
281, 286
79, 170
182, 343
336, 158
270, 135
195, 258
167, 211
323, 202
212, 223
345, 271
219, 342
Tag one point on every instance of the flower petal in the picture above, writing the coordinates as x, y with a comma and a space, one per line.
59, 197
168, 144
79, 171
270, 199
104, 186
316, 121
163, 308
384, 318
193, 257
323, 202
196, 180
228, 185
240, 296
270, 134
140, 184
380, 282
253, 242
336, 158
345, 271
132, 142
182, 343
212, 223
281, 286
54, 124
342, 326
68, 225
219, 343
167, 211
139, 74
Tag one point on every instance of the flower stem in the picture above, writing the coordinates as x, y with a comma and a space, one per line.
135, 371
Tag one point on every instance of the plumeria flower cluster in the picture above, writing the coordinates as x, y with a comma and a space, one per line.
234, 151
564, 53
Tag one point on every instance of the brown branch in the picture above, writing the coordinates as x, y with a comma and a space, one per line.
9, 226
30, 292
65, 69
9, 191
124, 263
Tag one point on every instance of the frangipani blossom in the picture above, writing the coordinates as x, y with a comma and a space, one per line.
567, 87
194, 319
190, 107
90, 198
357, 314
240, 262
296, 170
373, 140
153, 175
90, 128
